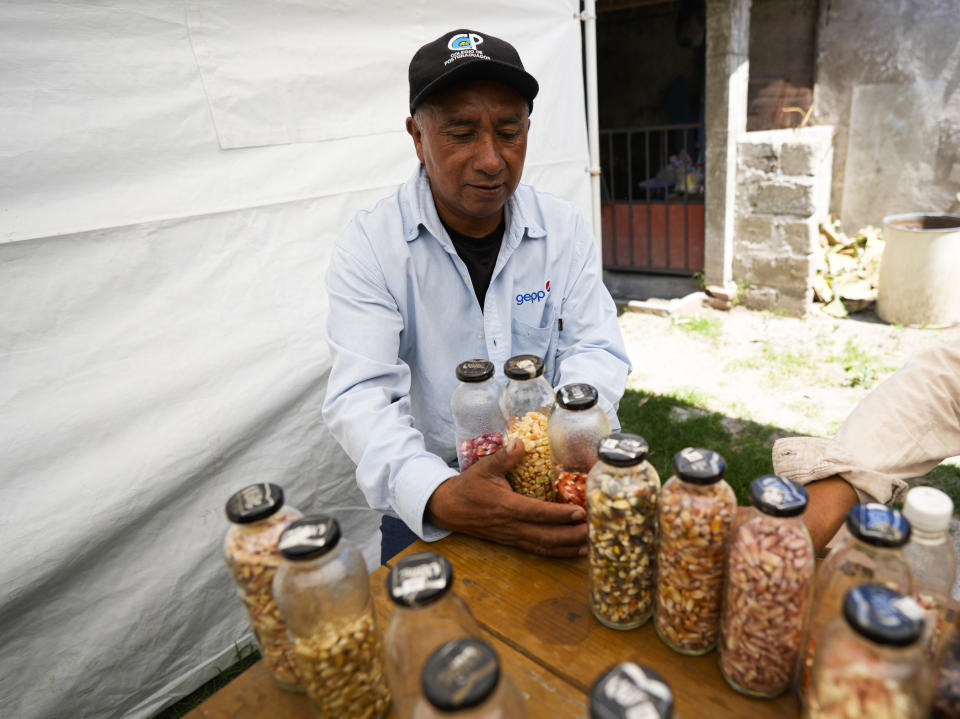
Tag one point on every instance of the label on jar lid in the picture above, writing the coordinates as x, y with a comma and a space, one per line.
622, 449
460, 674
700, 466
255, 502
419, 579
883, 615
778, 496
475, 370
309, 537
577, 396
629, 691
878, 525
523, 367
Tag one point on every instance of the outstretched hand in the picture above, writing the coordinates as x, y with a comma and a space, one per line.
480, 502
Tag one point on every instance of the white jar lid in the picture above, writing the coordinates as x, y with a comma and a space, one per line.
928, 509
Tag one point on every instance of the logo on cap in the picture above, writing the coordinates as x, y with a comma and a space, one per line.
464, 41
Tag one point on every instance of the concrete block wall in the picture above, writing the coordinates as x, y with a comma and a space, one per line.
783, 193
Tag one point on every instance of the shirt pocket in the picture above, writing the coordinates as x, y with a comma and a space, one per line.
539, 341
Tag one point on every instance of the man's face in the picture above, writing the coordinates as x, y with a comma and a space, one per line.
472, 138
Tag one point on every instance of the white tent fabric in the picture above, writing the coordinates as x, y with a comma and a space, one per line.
173, 176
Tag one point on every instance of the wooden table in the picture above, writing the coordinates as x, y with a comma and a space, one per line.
536, 614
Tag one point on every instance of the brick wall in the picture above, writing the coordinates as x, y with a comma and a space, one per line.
783, 193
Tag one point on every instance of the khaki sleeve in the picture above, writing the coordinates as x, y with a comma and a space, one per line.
904, 428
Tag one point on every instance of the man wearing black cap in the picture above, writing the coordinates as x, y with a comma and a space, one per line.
463, 262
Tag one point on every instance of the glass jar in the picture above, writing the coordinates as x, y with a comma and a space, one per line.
697, 509
871, 552
426, 614
526, 404
630, 691
258, 517
946, 687
575, 429
770, 568
323, 593
622, 493
475, 405
932, 560
871, 662
462, 678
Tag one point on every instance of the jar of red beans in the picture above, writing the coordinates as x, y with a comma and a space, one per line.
575, 429
475, 404
770, 568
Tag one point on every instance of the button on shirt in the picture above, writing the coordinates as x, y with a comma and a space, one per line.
403, 314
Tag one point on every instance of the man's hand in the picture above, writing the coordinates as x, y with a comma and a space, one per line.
480, 502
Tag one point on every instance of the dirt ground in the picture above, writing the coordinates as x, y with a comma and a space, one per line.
802, 376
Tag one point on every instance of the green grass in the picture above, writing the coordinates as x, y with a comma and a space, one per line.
667, 431
244, 658
862, 367
710, 327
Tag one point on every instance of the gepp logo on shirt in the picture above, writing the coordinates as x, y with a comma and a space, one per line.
536, 296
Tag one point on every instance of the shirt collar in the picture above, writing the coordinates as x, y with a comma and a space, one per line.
419, 210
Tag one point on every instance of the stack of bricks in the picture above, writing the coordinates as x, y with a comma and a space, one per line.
783, 194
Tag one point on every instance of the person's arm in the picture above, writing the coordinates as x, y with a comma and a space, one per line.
829, 500
906, 426
591, 345
367, 403
367, 408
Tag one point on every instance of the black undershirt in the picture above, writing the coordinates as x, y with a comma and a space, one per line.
479, 254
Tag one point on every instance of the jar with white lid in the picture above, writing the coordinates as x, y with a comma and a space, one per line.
932, 560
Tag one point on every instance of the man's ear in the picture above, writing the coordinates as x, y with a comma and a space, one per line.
417, 137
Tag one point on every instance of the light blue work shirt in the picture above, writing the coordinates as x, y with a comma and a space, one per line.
404, 314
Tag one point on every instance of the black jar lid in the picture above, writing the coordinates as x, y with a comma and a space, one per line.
629, 690
255, 502
883, 615
460, 674
475, 370
523, 367
878, 525
699, 466
778, 496
577, 396
419, 579
309, 538
622, 449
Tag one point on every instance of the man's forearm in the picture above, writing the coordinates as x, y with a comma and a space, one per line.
829, 501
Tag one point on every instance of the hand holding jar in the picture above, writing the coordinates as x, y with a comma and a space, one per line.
526, 404
575, 429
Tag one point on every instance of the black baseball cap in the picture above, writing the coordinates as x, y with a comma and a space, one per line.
461, 55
